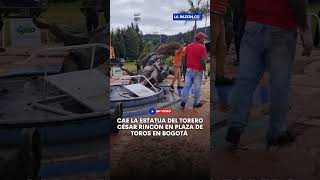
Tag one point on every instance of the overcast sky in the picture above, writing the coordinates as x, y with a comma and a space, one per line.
156, 15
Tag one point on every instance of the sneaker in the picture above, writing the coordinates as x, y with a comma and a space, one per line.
183, 104
171, 86
198, 105
284, 139
224, 81
233, 136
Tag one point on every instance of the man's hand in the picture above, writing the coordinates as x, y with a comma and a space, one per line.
203, 63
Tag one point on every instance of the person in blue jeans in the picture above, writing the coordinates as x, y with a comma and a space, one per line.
195, 61
193, 77
268, 44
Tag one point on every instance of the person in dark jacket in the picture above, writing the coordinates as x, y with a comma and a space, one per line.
90, 10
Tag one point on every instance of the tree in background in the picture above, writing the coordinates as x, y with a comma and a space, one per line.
118, 43
131, 38
196, 7
180, 37
139, 32
128, 42
147, 48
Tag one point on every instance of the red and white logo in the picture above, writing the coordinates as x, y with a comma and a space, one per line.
164, 111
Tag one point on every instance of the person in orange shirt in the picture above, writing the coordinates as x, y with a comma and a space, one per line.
178, 56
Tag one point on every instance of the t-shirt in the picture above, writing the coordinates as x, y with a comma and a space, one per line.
195, 52
271, 12
178, 55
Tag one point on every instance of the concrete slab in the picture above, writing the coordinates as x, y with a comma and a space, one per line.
140, 90
86, 86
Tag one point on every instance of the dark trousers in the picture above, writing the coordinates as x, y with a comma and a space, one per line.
239, 22
92, 20
1, 24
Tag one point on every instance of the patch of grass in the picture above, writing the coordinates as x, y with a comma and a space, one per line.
131, 66
69, 15
169, 61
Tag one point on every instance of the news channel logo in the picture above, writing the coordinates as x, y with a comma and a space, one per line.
153, 111
187, 17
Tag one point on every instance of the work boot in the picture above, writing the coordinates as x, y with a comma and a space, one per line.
233, 136
197, 105
285, 138
183, 104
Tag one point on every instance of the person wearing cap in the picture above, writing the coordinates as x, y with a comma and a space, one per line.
219, 9
195, 61
178, 55
268, 44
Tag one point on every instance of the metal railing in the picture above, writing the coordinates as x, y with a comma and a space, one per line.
139, 77
64, 48
67, 119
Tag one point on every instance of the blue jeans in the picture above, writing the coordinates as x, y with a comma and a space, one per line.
193, 77
264, 48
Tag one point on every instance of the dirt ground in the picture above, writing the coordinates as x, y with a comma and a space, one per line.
165, 156
299, 161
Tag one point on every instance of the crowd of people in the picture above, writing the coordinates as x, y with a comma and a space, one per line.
265, 42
